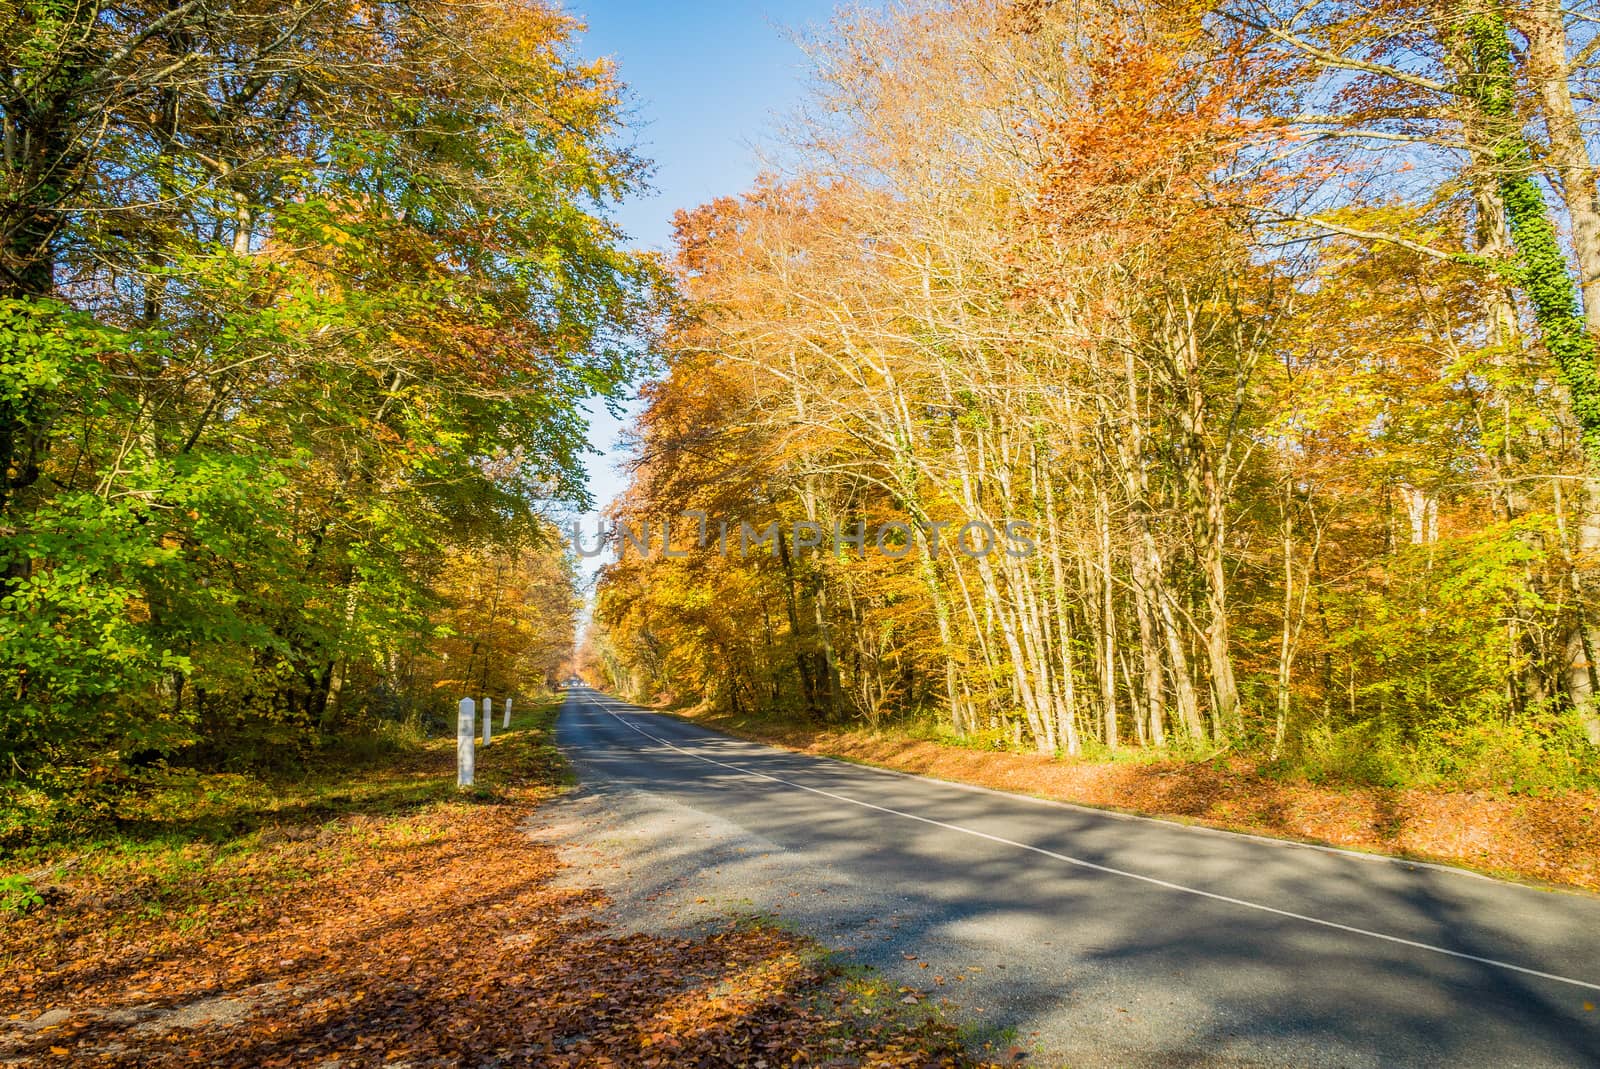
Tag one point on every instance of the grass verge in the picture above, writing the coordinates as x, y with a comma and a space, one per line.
375, 915
1551, 839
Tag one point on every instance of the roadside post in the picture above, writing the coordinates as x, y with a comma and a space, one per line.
488, 720
506, 722
466, 741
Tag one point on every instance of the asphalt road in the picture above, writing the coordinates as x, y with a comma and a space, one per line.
1097, 939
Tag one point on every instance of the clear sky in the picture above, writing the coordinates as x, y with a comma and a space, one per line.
707, 80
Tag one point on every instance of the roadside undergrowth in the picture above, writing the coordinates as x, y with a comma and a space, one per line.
1552, 838
390, 920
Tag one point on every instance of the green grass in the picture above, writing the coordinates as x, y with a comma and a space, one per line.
18, 894
1541, 754
202, 859
191, 844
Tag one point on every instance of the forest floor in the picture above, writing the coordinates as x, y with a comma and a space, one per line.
1552, 838
376, 916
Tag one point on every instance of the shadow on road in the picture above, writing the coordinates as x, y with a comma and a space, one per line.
1105, 969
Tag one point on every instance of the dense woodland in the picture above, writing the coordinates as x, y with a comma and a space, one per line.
1277, 321
298, 307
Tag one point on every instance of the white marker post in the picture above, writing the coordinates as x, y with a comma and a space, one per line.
506, 722
466, 740
488, 720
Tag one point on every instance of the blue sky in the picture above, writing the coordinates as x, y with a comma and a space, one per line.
706, 82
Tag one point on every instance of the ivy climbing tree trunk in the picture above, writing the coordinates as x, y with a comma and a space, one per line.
1547, 72
1490, 85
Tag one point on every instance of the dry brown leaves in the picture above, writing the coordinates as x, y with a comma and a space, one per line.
435, 939
1554, 839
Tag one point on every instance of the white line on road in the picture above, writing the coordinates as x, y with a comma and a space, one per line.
1108, 870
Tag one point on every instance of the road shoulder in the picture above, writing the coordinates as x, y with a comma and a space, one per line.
390, 919
1552, 842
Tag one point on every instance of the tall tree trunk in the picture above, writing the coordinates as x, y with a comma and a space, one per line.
1541, 23
1108, 622
1146, 575
1490, 84
1149, 647
1206, 479
1067, 698
1568, 331
802, 662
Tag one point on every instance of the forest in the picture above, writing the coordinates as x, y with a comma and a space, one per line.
1106, 569
299, 307
1275, 321
1275, 325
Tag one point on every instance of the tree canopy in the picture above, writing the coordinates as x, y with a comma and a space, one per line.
1275, 322
298, 310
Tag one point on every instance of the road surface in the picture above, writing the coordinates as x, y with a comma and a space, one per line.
1092, 938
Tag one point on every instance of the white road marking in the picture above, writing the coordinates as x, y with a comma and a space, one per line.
1361, 856
1108, 870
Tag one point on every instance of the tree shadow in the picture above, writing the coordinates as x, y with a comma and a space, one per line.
1116, 970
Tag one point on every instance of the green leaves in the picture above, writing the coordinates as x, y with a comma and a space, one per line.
44, 346
1430, 648
18, 894
71, 637
47, 355
323, 356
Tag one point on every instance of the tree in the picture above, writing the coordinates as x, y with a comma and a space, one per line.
302, 311
1232, 304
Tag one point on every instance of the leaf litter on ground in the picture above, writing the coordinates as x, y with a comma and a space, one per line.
436, 935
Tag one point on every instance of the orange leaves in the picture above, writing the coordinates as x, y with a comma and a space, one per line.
1554, 838
1140, 144
453, 949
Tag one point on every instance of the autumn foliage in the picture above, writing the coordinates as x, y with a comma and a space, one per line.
406, 926
1233, 306
298, 314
